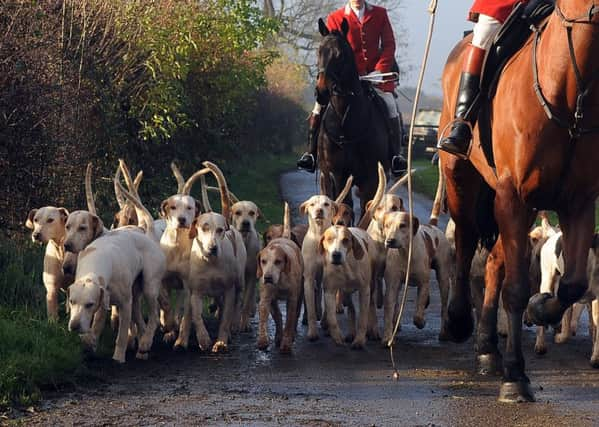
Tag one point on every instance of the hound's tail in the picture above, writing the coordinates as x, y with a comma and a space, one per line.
287, 222
378, 196
89, 195
439, 198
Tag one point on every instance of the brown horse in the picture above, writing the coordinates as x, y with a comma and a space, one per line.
353, 134
546, 157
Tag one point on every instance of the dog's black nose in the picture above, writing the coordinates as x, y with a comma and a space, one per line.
340, 222
74, 326
68, 247
336, 257
36, 236
390, 243
268, 279
181, 220
68, 269
213, 250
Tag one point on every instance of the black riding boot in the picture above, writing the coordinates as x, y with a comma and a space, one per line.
399, 165
308, 160
466, 111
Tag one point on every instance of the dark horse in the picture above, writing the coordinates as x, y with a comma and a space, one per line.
544, 119
354, 133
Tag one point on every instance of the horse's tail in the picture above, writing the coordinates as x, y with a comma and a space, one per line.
485, 217
439, 197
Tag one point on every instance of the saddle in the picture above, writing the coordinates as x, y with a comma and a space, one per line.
512, 36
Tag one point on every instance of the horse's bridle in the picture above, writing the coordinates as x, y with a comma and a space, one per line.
582, 88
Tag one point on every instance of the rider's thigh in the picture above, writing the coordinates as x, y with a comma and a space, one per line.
390, 102
485, 31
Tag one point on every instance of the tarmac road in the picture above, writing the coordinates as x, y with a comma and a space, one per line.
322, 384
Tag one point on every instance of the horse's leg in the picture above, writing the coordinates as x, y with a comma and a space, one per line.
463, 183
489, 357
514, 219
577, 224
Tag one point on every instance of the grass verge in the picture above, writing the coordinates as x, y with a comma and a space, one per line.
34, 354
425, 178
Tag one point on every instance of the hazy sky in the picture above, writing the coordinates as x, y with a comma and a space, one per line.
449, 26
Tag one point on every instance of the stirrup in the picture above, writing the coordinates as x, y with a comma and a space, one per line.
444, 145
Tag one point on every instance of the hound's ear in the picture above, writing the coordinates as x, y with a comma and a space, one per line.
344, 27
259, 213
357, 248
334, 208
29, 220
322, 28
415, 225
321, 250
303, 208
97, 226
163, 207
193, 231
265, 238
104, 294
64, 214
259, 268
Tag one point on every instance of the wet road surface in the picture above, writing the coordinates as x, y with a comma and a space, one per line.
322, 384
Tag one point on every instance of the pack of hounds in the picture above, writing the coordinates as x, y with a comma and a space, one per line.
162, 274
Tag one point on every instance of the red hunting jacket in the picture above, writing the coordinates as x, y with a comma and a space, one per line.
498, 9
371, 40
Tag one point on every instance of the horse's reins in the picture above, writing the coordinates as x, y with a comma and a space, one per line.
582, 88
432, 9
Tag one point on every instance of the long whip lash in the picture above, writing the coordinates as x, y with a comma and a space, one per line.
432, 9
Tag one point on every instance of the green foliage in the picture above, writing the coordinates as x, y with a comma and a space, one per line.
200, 61
34, 354
425, 178
21, 269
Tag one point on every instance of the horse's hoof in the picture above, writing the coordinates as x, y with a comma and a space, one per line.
544, 309
488, 364
516, 392
460, 325
419, 322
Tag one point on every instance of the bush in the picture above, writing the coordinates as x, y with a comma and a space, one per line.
21, 268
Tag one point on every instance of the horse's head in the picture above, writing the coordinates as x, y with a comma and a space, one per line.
337, 71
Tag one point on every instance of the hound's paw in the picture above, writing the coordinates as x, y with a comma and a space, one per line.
540, 349
118, 357
419, 321
373, 334
219, 347
262, 343
444, 335
358, 343
337, 338
244, 325
561, 338
169, 337
285, 347
180, 344
312, 335
205, 343
142, 355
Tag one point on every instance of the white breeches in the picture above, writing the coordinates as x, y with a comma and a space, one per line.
485, 31
390, 100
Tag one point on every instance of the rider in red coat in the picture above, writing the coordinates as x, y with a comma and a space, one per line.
371, 38
489, 16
